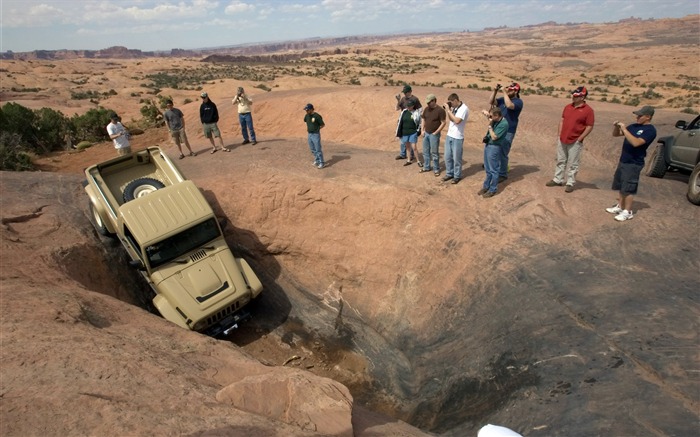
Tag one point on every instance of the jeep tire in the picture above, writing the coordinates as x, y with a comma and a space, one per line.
656, 164
98, 223
694, 186
141, 187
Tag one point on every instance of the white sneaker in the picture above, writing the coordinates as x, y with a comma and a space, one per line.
614, 209
624, 215
321, 165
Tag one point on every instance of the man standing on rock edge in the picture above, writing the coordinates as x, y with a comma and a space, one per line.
314, 124
510, 105
209, 116
245, 118
576, 123
458, 112
175, 120
119, 135
434, 118
638, 138
400, 106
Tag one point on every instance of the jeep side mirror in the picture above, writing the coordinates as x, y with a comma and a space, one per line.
681, 124
137, 264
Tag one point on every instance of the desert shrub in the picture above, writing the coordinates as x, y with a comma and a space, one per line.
91, 126
52, 129
13, 154
16, 119
689, 111
186, 101
263, 87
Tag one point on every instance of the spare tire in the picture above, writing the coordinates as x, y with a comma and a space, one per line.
141, 187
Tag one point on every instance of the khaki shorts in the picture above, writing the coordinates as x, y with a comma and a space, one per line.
124, 151
211, 129
179, 136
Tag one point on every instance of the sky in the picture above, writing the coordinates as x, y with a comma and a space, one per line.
160, 25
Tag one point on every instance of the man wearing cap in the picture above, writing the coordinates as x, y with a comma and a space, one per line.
175, 120
510, 105
245, 119
576, 123
457, 113
434, 118
314, 124
407, 129
209, 116
119, 135
400, 106
638, 138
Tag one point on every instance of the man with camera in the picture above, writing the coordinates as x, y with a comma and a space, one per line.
495, 139
638, 137
576, 123
510, 105
457, 112
245, 118
400, 106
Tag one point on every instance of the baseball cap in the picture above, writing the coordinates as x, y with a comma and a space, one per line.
430, 98
407, 88
308, 106
168, 102
646, 110
113, 116
410, 102
580, 92
203, 95
514, 86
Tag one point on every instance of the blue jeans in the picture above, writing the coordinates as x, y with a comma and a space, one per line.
492, 164
453, 157
431, 151
315, 147
246, 121
505, 150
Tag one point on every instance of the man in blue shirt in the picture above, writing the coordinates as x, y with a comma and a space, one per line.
510, 105
638, 137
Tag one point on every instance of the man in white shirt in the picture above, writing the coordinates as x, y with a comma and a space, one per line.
119, 135
457, 112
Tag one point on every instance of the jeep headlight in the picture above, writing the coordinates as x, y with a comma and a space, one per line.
201, 324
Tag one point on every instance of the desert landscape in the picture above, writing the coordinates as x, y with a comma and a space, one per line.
394, 304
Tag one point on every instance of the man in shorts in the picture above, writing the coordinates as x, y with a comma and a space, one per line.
638, 137
119, 135
209, 116
175, 120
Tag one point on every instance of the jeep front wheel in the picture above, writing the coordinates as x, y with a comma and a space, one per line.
694, 186
141, 187
656, 164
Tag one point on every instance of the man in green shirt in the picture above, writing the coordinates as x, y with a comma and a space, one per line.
314, 123
496, 135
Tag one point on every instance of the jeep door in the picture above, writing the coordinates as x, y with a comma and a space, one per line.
686, 146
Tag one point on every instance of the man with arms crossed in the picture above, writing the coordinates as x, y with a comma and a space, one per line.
434, 118
175, 120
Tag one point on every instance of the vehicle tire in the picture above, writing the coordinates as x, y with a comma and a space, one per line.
694, 186
141, 187
98, 223
656, 164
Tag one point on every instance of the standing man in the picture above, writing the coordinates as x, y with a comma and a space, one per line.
496, 139
119, 135
175, 120
638, 138
245, 118
510, 105
314, 124
209, 116
400, 106
575, 125
434, 120
408, 128
457, 112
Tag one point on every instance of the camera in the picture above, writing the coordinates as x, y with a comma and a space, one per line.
486, 139
498, 86
449, 104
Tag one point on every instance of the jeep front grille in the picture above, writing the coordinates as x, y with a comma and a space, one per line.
223, 313
198, 255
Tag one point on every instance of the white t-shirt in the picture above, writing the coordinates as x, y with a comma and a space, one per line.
456, 131
121, 141
497, 431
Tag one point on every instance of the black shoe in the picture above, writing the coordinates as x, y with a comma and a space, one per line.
502, 178
446, 178
553, 183
254, 143
569, 188
455, 181
482, 191
245, 142
489, 194
399, 157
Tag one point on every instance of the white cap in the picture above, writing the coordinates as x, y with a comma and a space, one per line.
497, 431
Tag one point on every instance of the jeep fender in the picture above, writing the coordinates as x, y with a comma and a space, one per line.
250, 277
668, 143
168, 312
100, 209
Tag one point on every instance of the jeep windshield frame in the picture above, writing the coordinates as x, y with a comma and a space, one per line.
182, 243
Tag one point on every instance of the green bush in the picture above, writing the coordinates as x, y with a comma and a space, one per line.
13, 154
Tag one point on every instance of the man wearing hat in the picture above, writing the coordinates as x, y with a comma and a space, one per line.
245, 119
638, 138
576, 123
510, 105
400, 106
209, 116
314, 124
119, 135
434, 117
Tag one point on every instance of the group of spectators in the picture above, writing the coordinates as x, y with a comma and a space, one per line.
576, 124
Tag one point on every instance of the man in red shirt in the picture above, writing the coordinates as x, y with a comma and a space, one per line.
575, 125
